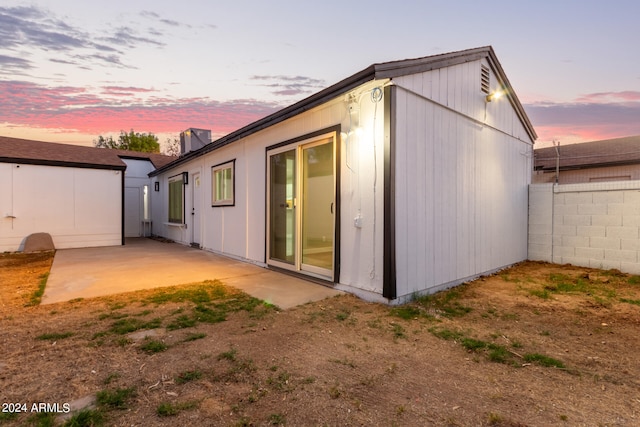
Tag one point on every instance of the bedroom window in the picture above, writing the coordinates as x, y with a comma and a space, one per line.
176, 199
223, 185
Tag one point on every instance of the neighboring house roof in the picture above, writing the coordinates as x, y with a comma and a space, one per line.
374, 72
25, 151
609, 152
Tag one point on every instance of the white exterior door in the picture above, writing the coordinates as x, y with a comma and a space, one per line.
196, 206
132, 208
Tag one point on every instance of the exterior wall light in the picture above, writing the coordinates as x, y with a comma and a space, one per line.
494, 95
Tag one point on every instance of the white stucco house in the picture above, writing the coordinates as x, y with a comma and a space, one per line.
81, 196
404, 178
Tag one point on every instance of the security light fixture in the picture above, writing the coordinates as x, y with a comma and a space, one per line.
494, 95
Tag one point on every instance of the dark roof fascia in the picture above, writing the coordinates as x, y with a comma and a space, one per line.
42, 162
300, 107
511, 95
386, 70
421, 65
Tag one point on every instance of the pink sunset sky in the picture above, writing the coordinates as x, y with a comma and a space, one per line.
71, 71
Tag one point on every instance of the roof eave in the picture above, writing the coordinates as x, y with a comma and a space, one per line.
299, 107
387, 70
60, 163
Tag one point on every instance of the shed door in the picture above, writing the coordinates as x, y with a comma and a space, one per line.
132, 207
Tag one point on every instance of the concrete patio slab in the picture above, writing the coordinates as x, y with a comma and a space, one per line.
146, 263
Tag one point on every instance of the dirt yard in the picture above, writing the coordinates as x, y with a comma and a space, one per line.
535, 345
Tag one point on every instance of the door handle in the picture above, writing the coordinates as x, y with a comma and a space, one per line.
331, 208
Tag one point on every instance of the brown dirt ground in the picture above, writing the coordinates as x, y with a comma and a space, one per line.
342, 361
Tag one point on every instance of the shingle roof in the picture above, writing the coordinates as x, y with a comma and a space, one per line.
609, 152
16, 150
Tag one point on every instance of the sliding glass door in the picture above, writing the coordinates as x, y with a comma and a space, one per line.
301, 221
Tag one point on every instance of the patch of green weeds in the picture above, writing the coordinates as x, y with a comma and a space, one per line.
123, 341
499, 354
445, 303
117, 305
153, 346
194, 336
167, 409
181, 322
85, 418
540, 293
335, 392
407, 312
205, 314
375, 324
634, 280
510, 316
112, 315
43, 419
280, 382
228, 355
494, 419
276, 419
197, 294
398, 331
8, 416
115, 399
542, 360
473, 344
494, 352
239, 367
342, 315
54, 336
446, 334
36, 297
127, 325
630, 301
187, 376
243, 422
111, 377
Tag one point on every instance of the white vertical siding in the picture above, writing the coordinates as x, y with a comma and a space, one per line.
240, 230
78, 207
461, 180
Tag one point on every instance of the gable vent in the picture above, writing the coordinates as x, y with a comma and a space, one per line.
484, 79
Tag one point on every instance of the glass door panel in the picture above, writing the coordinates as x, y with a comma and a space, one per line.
282, 186
317, 218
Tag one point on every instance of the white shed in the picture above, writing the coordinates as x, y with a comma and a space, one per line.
405, 178
81, 196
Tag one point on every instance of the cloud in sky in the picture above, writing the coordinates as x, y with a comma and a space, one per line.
590, 117
290, 85
25, 29
115, 108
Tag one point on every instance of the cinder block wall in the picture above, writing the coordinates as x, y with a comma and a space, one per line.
593, 225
